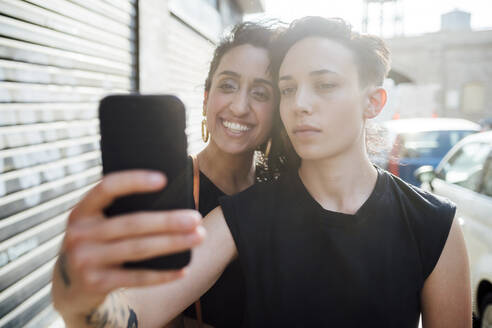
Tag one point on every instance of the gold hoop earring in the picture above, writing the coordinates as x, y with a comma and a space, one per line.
268, 147
205, 132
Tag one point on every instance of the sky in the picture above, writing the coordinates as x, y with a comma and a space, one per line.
420, 16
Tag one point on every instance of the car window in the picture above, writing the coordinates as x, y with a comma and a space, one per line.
465, 167
487, 179
430, 143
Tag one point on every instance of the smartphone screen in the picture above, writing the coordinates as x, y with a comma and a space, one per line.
148, 132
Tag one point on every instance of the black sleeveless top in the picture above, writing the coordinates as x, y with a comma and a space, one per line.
305, 266
223, 304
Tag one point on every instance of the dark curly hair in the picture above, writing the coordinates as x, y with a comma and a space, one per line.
259, 35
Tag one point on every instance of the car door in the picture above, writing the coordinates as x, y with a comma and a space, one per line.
425, 148
479, 231
466, 179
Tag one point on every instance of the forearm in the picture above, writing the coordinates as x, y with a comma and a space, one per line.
156, 306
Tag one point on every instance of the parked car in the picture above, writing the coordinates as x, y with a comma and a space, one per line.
465, 177
486, 124
412, 143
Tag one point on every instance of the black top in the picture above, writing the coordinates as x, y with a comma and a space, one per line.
305, 266
223, 304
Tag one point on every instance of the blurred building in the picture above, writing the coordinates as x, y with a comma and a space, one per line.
375, 15
57, 59
447, 73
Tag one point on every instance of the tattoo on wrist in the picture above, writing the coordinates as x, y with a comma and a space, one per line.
62, 260
112, 314
132, 319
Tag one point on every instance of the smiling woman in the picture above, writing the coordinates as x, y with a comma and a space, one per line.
239, 104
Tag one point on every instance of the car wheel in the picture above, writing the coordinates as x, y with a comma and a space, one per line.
486, 311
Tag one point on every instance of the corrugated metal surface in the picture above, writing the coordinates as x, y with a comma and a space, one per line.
189, 59
57, 59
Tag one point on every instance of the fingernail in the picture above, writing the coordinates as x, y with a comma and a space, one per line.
201, 231
197, 215
191, 218
189, 221
199, 234
155, 179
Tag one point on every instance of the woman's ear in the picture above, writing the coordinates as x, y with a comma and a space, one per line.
377, 98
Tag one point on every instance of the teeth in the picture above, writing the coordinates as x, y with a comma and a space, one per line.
236, 127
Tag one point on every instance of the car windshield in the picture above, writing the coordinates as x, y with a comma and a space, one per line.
430, 143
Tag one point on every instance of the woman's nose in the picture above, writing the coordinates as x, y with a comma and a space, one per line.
302, 103
240, 105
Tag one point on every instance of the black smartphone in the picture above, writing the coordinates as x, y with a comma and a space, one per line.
148, 132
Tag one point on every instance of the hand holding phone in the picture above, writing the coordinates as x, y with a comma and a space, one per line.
144, 159
89, 266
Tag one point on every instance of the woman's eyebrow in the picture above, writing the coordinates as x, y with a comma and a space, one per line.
321, 72
231, 73
312, 73
258, 80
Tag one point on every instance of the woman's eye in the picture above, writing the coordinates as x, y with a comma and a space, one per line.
261, 94
228, 86
287, 91
325, 86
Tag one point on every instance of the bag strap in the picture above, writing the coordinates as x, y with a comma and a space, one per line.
196, 181
196, 196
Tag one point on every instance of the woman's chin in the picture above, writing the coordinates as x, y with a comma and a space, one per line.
307, 153
235, 145
232, 148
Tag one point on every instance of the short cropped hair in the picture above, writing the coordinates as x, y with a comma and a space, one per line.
370, 52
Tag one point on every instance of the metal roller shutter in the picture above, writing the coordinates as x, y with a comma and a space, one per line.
189, 58
57, 59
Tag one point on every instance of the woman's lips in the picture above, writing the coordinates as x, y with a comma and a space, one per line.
306, 131
236, 128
